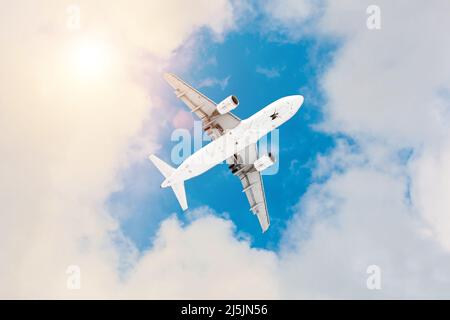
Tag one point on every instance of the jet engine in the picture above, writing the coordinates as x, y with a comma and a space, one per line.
227, 105
264, 162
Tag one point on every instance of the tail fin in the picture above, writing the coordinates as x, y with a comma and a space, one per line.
167, 170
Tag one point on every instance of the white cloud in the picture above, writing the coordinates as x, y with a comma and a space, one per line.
389, 93
269, 72
430, 189
384, 89
203, 260
66, 134
291, 17
393, 97
354, 220
212, 82
156, 27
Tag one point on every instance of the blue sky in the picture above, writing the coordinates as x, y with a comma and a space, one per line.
243, 56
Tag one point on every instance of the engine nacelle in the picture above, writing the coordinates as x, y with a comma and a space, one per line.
227, 105
264, 162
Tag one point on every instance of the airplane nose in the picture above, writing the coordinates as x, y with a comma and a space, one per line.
296, 102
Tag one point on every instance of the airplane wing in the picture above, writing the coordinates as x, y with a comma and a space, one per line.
241, 165
214, 123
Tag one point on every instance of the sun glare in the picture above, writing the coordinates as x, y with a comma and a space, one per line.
91, 58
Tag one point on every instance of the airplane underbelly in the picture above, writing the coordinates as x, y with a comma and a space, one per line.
217, 152
201, 161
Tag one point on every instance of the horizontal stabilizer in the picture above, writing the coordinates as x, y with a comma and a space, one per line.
180, 193
167, 170
163, 167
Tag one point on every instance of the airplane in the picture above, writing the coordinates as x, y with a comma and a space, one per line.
233, 140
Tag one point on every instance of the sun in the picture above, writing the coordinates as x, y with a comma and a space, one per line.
91, 58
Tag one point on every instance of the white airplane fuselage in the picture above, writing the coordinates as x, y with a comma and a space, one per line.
249, 131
